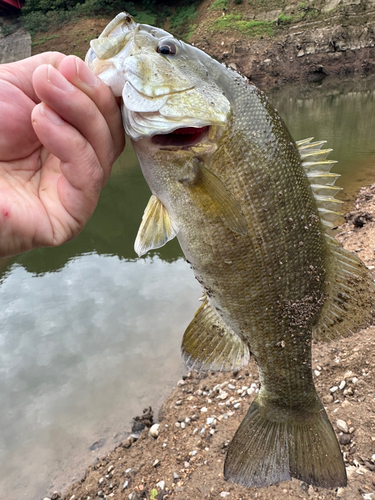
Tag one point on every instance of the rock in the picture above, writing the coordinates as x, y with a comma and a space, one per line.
342, 385
180, 383
110, 469
334, 389
156, 463
342, 426
161, 485
345, 439
175, 476
327, 399
125, 485
154, 430
145, 420
316, 373
97, 444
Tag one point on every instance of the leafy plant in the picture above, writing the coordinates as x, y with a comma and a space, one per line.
219, 5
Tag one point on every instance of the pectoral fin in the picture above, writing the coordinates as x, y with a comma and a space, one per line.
208, 192
156, 227
209, 344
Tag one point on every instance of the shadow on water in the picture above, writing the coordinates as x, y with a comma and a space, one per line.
90, 333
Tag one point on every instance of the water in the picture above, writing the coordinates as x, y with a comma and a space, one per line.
90, 334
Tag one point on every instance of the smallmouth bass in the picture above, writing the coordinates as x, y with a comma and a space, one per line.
251, 209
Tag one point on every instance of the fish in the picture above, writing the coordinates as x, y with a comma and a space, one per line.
253, 211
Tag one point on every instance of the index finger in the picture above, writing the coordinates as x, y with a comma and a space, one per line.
76, 71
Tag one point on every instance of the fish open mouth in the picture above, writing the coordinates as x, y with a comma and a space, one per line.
183, 137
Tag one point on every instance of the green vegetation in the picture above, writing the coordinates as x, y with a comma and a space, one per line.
251, 28
44, 39
219, 5
181, 22
41, 15
283, 19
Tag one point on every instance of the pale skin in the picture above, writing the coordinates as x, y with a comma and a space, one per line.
60, 133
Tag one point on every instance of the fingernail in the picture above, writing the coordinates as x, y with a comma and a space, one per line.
50, 114
86, 75
56, 78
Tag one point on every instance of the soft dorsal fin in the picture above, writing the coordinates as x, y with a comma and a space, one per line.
350, 294
350, 302
209, 344
156, 227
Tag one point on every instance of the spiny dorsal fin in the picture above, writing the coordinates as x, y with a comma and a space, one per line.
209, 344
156, 227
350, 302
317, 170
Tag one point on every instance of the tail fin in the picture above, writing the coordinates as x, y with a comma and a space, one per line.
265, 451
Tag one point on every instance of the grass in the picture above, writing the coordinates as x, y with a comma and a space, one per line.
219, 5
252, 28
44, 39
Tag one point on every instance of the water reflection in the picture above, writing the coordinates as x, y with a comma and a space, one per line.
81, 352
90, 334
344, 116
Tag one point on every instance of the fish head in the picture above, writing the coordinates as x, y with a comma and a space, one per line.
166, 85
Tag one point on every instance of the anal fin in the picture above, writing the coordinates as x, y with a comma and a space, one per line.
208, 344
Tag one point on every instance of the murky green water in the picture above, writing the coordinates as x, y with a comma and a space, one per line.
90, 334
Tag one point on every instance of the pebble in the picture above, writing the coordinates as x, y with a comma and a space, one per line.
342, 385
193, 453
342, 426
183, 425
156, 463
128, 470
110, 468
224, 494
354, 380
250, 391
180, 383
101, 480
204, 409
223, 395
161, 485
231, 386
236, 406
334, 389
125, 485
210, 421
345, 439
154, 430
176, 476
317, 373
188, 420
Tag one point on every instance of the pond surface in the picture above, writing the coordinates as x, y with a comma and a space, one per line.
90, 334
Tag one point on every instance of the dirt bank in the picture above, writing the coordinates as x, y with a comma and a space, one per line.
185, 461
271, 42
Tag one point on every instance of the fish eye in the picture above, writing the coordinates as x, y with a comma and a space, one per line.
167, 48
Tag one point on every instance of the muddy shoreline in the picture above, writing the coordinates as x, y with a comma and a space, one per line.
184, 459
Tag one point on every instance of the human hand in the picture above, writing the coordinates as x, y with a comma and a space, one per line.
60, 132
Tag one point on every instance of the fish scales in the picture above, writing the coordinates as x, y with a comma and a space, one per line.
229, 181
